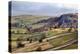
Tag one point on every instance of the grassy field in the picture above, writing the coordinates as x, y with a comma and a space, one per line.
73, 46
29, 19
54, 42
23, 34
61, 40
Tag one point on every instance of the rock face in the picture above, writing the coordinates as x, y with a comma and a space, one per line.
68, 20
64, 21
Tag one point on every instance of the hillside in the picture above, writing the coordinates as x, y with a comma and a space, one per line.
42, 23
41, 33
63, 21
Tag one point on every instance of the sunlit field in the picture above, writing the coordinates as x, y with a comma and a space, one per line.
35, 26
27, 35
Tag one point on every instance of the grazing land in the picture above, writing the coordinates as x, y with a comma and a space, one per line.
41, 33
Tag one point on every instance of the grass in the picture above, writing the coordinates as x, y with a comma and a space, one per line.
56, 42
61, 40
19, 30
13, 45
73, 46
29, 19
52, 33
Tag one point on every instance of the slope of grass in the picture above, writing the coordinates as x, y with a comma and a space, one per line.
73, 46
61, 40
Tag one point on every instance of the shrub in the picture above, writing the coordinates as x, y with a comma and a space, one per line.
19, 44
69, 29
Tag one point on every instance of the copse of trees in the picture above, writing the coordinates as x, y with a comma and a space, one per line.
19, 43
36, 37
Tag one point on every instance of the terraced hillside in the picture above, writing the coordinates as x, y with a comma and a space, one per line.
42, 33
56, 42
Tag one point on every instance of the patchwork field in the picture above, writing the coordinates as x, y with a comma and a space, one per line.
31, 33
54, 42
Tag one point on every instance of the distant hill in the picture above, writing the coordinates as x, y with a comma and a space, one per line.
65, 20
43, 23
68, 20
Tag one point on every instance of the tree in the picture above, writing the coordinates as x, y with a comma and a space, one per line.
47, 40
30, 40
19, 43
27, 39
69, 30
40, 40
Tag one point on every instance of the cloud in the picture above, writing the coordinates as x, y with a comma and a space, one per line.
33, 8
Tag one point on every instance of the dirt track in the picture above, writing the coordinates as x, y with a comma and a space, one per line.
34, 44
64, 45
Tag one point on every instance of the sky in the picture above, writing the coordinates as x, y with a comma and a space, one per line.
43, 9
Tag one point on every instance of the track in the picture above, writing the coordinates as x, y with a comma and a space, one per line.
53, 37
64, 45
34, 43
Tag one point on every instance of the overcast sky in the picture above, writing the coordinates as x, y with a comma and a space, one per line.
45, 9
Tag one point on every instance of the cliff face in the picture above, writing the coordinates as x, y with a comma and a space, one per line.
65, 20
68, 20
